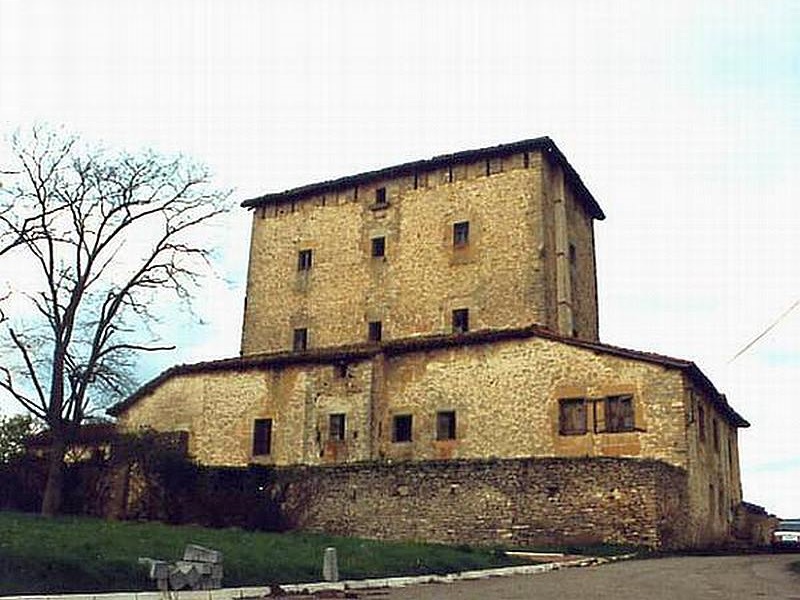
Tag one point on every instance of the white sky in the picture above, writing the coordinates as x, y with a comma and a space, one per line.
682, 118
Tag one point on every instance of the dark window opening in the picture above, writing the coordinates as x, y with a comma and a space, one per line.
304, 259
461, 233
450, 174
336, 427
375, 331
341, 369
380, 196
573, 255
401, 428
416, 181
446, 425
701, 423
619, 414
715, 433
300, 339
526, 160
262, 437
572, 416
461, 320
378, 246
730, 454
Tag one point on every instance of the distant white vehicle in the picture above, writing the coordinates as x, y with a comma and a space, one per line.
787, 533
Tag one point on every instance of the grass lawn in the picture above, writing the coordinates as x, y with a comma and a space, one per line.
77, 554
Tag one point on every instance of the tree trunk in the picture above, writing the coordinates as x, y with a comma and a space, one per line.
51, 502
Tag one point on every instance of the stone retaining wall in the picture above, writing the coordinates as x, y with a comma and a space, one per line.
515, 502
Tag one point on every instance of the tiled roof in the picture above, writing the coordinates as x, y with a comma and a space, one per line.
544, 144
339, 354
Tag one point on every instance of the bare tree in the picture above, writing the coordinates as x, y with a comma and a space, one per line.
103, 236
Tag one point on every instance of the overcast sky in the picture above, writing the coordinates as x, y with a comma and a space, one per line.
683, 119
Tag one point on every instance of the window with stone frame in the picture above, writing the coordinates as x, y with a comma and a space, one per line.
402, 428
378, 247
304, 259
374, 331
262, 437
300, 339
461, 320
336, 427
619, 414
380, 196
461, 234
572, 416
446, 425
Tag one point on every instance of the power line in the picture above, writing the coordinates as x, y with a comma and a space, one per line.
766, 331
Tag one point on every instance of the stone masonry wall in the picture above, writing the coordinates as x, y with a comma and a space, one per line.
502, 276
522, 502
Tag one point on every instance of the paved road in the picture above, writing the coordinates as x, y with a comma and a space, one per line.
728, 577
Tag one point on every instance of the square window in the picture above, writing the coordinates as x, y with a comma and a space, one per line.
336, 427
572, 416
461, 234
461, 320
619, 414
401, 428
380, 196
304, 259
446, 425
375, 331
262, 437
300, 339
378, 246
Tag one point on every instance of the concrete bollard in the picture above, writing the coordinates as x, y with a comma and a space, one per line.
330, 566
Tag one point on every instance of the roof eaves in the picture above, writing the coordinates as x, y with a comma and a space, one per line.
541, 143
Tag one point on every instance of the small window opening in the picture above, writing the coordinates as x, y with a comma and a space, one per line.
461, 234
378, 246
300, 339
573, 255
304, 260
446, 425
619, 414
572, 416
262, 437
380, 196
336, 427
715, 433
401, 428
375, 331
461, 320
701, 423
526, 160
341, 370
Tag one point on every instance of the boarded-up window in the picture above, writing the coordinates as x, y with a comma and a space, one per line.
401, 428
262, 437
572, 416
446, 425
619, 414
336, 427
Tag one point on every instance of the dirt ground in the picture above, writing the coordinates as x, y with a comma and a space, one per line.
728, 577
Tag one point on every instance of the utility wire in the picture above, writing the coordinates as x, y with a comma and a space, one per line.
765, 332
